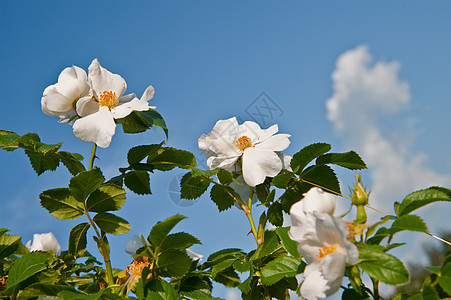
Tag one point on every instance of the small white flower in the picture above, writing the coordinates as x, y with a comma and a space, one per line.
106, 101
323, 242
258, 149
43, 242
59, 99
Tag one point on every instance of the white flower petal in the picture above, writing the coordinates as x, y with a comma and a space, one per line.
259, 164
103, 80
314, 285
332, 267
87, 106
98, 127
214, 162
148, 94
44, 242
54, 102
286, 161
224, 128
278, 142
73, 82
318, 200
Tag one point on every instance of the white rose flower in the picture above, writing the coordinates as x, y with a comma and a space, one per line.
105, 102
43, 242
324, 244
258, 149
59, 99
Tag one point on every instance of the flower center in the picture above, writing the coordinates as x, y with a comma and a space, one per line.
136, 268
328, 249
108, 99
243, 142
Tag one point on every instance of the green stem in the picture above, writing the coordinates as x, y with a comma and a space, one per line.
375, 288
106, 256
93, 155
249, 216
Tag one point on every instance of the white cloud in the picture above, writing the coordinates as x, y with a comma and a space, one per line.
363, 94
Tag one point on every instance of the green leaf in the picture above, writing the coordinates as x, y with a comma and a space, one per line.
25, 267
72, 162
382, 266
192, 187
281, 181
8, 244
110, 223
381, 234
138, 153
161, 290
228, 278
140, 121
173, 263
179, 240
225, 254
8, 140
275, 215
77, 238
171, 158
61, 204
350, 160
289, 245
223, 196
221, 266
85, 183
225, 177
307, 154
445, 278
138, 182
279, 268
160, 230
421, 198
108, 197
205, 173
269, 245
42, 162
43, 290
323, 176
242, 266
408, 222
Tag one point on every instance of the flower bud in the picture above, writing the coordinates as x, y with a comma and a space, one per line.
359, 195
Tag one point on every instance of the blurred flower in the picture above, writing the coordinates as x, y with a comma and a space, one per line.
133, 244
104, 103
59, 99
258, 149
323, 242
43, 242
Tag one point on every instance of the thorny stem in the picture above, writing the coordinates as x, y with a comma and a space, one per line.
93, 155
103, 251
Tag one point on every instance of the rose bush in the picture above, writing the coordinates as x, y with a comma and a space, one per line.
317, 255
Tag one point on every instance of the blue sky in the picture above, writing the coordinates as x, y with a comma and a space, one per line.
389, 97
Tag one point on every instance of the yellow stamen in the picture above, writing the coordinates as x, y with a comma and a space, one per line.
243, 142
328, 249
108, 99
